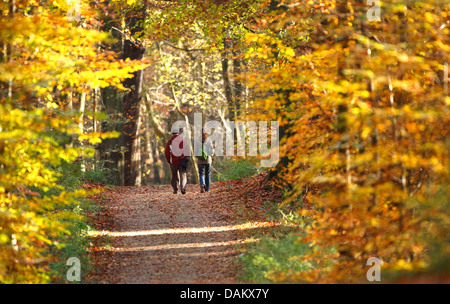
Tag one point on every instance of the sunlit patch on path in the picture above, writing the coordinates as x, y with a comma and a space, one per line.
183, 230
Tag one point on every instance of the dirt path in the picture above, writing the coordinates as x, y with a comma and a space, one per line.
156, 236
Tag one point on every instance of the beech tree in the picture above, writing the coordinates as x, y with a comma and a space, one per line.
47, 64
367, 146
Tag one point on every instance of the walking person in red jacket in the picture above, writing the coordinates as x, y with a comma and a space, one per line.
176, 156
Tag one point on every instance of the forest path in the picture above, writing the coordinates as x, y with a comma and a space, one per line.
155, 236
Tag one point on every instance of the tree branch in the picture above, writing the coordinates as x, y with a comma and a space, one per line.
183, 49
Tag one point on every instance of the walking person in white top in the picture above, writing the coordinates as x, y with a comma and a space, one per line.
204, 162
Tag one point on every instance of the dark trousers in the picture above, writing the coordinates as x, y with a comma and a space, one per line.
204, 171
178, 169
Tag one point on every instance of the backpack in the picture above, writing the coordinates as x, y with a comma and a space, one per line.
184, 161
204, 155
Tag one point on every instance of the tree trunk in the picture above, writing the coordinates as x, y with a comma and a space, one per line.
238, 88
133, 51
136, 157
226, 78
81, 127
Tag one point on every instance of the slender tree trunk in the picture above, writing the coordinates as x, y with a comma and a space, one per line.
238, 87
136, 157
226, 78
147, 147
157, 166
133, 51
81, 126
70, 99
12, 11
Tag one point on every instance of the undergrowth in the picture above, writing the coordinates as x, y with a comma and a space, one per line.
76, 242
235, 169
280, 253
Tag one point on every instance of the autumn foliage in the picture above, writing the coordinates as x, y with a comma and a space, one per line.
360, 93
46, 64
365, 107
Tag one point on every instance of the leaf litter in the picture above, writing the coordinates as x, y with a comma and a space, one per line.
148, 234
